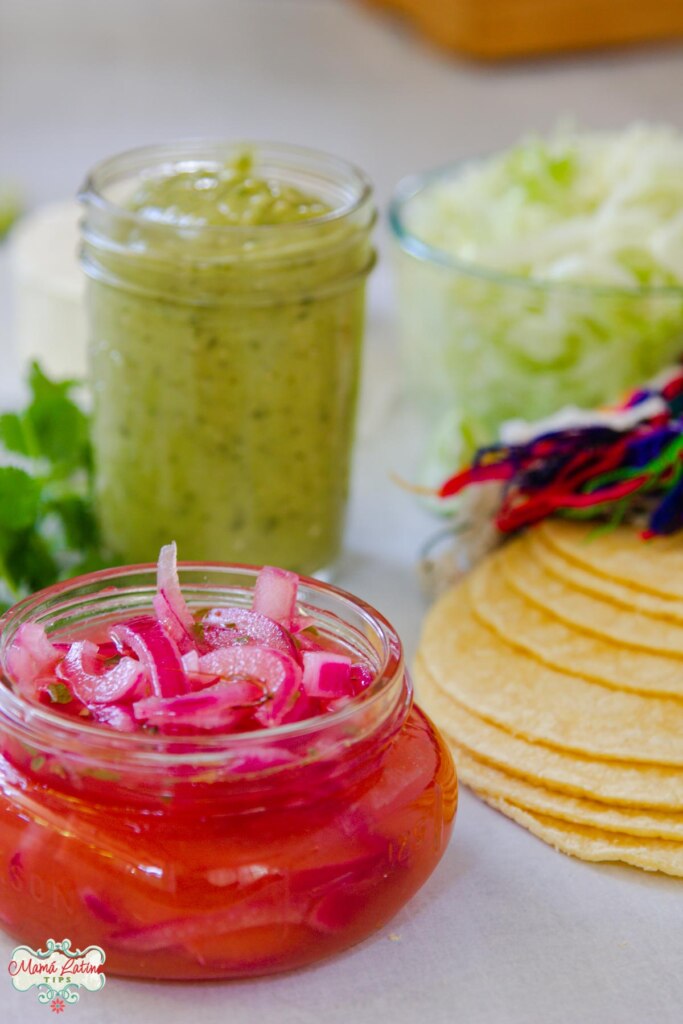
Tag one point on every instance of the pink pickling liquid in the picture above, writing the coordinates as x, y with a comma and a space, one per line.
204, 888
206, 855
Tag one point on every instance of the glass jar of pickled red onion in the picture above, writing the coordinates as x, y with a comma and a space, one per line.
217, 855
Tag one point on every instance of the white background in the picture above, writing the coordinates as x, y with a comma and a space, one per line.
507, 931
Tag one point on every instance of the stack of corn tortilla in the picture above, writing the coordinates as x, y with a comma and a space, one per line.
556, 672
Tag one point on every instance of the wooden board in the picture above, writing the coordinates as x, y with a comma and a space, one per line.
506, 28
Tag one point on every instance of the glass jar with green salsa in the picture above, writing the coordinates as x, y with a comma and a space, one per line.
226, 305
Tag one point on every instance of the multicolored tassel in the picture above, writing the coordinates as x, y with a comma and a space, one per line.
619, 464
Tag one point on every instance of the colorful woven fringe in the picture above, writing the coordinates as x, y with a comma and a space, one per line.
618, 468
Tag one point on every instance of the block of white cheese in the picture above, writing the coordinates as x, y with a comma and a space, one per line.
48, 290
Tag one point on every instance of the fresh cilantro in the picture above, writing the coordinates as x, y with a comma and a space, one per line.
77, 519
12, 433
59, 693
19, 499
48, 526
30, 562
57, 425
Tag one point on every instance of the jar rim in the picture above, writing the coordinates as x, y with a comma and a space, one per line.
206, 149
18, 712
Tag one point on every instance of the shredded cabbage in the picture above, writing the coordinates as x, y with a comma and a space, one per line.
598, 208
589, 228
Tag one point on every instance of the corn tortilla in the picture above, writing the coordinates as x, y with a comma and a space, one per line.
655, 565
621, 783
532, 700
488, 781
579, 578
594, 844
584, 612
535, 632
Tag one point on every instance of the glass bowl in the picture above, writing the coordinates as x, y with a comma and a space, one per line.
480, 346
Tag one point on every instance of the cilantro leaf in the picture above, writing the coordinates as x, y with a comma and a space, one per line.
48, 524
19, 498
53, 427
59, 693
43, 388
30, 562
60, 429
77, 517
13, 434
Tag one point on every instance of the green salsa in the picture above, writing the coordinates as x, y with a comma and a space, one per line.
222, 196
226, 320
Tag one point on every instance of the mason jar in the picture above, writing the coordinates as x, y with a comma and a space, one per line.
216, 856
224, 357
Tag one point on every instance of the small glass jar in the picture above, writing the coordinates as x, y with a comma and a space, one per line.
224, 360
217, 856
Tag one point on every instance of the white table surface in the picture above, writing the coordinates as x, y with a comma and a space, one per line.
507, 931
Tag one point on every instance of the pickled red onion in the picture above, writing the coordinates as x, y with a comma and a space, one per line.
191, 661
275, 593
30, 655
169, 603
327, 675
243, 913
81, 669
259, 759
223, 626
157, 652
217, 706
115, 716
279, 673
361, 677
232, 669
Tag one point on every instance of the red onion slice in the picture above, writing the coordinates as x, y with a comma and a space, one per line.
81, 669
197, 680
30, 655
300, 622
105, 650
220, 706
361, 677
115, 716
191, 661
99, 908
157, 651
259, 759
244, 913
275, 593
279, 673
326, 675
169, 603
225, 626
